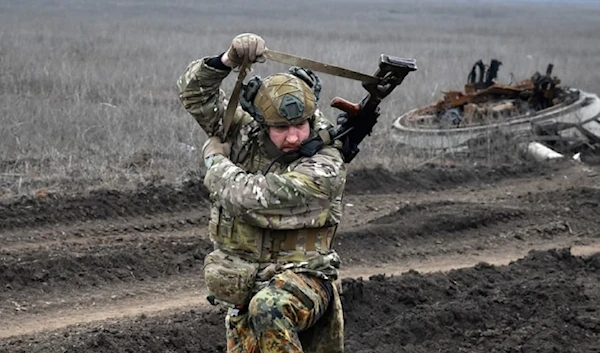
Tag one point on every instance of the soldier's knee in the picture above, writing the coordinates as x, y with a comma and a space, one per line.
266, 308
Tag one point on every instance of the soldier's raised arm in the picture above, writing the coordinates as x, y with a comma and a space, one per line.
198, 86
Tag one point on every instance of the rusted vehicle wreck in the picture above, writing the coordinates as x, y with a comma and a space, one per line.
537, 112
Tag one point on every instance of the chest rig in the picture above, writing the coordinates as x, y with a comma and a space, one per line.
263, 245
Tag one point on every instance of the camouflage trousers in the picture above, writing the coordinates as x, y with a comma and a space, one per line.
291, 303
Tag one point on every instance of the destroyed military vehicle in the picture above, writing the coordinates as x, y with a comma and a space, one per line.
536, 111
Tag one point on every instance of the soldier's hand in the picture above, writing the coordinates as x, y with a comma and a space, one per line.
214, 146
244, 46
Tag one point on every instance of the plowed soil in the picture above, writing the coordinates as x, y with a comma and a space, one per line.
439, 259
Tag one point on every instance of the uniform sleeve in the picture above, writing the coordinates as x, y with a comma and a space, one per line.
307, 189
200, 94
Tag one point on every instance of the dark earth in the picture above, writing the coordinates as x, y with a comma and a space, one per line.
445, 258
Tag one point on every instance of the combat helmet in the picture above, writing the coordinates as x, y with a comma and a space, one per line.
282, 99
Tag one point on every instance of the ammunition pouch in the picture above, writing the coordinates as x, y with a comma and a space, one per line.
268, 245
231, 271
229, 278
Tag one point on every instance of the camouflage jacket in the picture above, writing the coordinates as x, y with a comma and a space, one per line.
305, 193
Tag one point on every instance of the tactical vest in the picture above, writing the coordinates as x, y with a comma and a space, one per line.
259, 244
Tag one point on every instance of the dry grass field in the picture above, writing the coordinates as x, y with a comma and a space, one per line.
103, 212
87, 88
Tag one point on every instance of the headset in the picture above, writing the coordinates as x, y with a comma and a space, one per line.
249, 90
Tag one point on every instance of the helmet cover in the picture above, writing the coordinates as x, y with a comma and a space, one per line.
284, 99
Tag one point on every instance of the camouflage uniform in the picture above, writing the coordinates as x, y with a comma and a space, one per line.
283, 223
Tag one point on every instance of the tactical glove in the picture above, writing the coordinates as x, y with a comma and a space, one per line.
245, 46
214, 146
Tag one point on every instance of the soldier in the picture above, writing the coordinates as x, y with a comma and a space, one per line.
274, 212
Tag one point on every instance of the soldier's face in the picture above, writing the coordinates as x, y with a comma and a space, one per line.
289, 138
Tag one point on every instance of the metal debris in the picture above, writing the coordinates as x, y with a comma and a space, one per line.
537, 109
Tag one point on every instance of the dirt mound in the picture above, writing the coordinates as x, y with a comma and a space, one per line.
63, 268
101, 205
542, 303
121, 271
48, 209
434, 177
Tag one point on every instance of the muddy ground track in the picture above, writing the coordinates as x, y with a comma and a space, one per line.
114, 271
